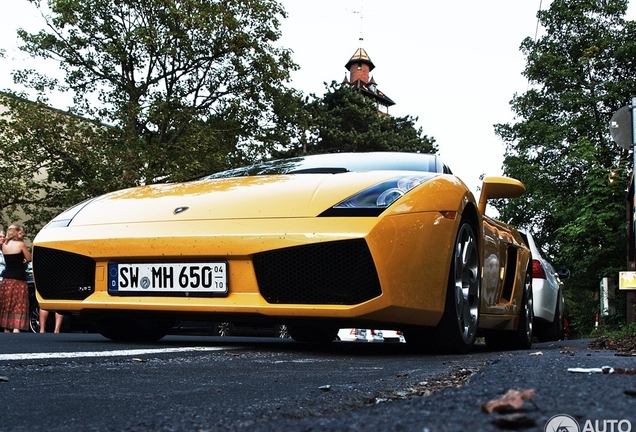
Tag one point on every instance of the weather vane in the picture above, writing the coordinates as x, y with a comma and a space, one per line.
361, 13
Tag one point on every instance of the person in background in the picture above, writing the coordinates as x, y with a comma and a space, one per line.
14, 293
44, 316
2, 263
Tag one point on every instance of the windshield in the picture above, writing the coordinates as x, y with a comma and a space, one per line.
335, 163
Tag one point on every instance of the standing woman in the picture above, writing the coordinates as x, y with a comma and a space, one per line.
14, 293
2, 264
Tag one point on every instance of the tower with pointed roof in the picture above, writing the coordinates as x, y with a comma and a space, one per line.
360, 67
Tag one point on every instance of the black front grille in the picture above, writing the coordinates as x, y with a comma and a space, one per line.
63, 275
339, 272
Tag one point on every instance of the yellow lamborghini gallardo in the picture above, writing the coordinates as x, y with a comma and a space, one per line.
366, 240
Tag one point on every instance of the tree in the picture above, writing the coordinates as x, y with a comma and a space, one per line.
50, 160
344, 120
180, 88
162, 71
581, 71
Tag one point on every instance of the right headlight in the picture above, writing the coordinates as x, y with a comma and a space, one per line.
377, 198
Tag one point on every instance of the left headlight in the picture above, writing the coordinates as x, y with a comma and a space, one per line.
64, 219
377, 198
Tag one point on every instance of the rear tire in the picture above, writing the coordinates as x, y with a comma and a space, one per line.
34, 318
223, 329
282, 331
521, 338
553, 331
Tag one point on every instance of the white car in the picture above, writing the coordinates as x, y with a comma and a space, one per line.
370, 335
547, 292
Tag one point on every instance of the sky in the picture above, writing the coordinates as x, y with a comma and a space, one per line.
453, 65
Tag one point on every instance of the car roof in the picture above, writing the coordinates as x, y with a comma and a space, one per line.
342, 162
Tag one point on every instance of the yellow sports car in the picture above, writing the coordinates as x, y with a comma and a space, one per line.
322, 242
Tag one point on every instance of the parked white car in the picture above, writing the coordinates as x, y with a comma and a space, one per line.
369, 335
547, 291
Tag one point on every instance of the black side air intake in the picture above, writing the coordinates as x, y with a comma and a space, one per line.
340, 272
61, 275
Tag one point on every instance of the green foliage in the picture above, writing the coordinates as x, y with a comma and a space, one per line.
618, 331
581, 71
167, 73
344, 120
50, 161
169, 90
624, 331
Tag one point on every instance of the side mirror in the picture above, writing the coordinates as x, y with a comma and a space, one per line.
499, 187
563, 273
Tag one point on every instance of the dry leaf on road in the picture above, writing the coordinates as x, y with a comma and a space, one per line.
512, 400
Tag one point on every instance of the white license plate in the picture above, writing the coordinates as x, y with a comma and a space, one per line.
204, 278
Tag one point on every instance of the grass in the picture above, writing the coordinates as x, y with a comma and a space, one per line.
622, 339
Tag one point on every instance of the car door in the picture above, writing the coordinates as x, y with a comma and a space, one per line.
501, 257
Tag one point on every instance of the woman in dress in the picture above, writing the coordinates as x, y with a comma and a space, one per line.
14, 293
2, 264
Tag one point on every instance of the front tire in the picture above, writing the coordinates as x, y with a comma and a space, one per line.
457, 329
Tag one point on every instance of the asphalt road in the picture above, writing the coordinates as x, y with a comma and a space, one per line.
184, 383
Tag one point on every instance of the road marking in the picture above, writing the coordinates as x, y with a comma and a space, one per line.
114, 353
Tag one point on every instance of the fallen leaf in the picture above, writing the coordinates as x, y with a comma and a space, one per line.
512, 400
625, 346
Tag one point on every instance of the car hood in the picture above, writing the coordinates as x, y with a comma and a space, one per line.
276, 196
